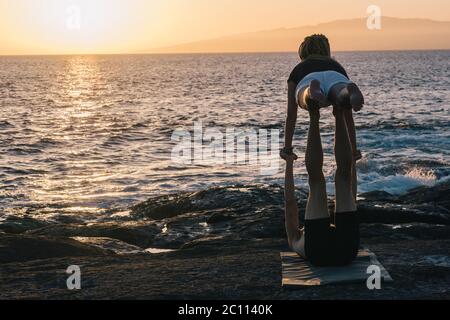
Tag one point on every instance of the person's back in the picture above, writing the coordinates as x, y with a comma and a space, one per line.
315, 63
321, 78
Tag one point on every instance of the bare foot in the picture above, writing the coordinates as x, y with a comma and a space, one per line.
315, 97
356, 97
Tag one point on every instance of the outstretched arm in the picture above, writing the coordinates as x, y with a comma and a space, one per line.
291, 208
291, 118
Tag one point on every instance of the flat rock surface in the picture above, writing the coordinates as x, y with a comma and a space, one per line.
226, 244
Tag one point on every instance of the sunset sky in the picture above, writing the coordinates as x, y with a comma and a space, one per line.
129, 26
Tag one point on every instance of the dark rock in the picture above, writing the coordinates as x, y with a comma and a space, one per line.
229, 241
405, 231
219, 217
228, 270
211, 199
400, 214
438, 194
135, 233
377, 196
17, 225
15, 248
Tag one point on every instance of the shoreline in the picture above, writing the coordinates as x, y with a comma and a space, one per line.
221, 236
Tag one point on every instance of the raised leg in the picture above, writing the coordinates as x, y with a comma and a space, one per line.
317, 206
347, 96
345, 199
317, 238
352, 134
347, 239
311, 97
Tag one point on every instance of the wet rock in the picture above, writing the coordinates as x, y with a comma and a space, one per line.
395, 213
435, 260
245, 211
437, 194
219, 217
429, 205
17, 225
225, 235
135, 233
377, 196
223, 268
405, 231
211, 199
14, 248
114, 245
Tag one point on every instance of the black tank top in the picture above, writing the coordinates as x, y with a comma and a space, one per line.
315, 64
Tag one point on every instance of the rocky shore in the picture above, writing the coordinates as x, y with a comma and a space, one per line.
221, 243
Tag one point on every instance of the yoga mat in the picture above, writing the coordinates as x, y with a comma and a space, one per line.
299, 272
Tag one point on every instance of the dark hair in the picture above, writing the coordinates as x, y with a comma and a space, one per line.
317, 44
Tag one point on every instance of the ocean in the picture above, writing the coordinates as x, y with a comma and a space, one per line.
86, 136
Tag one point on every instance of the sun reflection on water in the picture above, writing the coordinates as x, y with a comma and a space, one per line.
79, 91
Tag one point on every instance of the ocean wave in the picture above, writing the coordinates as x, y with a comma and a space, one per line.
7, 85
399, 184
4, 124
43, 142
18, 171
23, 151
398, 124
120, 139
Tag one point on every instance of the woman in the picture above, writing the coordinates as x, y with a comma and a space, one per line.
317, 82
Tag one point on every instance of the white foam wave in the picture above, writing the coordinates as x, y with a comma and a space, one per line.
399, 183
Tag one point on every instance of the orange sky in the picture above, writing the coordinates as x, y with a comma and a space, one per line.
129, 26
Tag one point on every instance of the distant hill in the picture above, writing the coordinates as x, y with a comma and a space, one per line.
395, 34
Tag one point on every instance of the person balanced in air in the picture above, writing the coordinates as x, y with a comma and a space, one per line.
319, 81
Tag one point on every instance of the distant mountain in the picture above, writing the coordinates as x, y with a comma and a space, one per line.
395, 34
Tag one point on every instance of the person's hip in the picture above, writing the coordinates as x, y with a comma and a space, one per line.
327, 80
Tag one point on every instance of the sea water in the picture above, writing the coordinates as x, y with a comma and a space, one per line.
80, 135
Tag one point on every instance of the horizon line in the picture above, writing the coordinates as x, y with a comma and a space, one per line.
204, 53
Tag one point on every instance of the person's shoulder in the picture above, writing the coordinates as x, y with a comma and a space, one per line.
300, 65
297, 70
335, 61
339, 66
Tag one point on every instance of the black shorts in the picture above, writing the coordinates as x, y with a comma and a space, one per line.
332, 245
